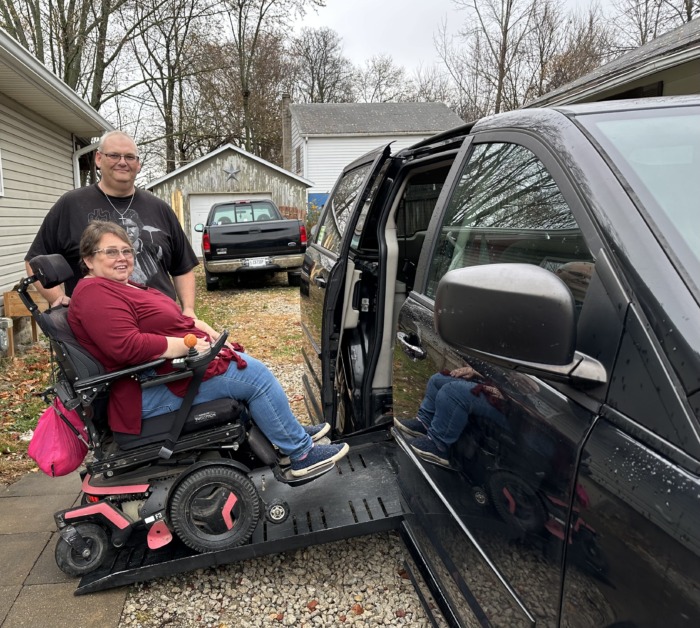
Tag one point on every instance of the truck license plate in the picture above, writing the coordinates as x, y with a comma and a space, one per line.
258, 261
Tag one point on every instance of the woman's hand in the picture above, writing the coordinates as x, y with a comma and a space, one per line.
494, 392
207, 329
62, 300
202, 345
178, 349
211, 332
464, 372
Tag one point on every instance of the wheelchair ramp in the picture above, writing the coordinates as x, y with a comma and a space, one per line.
360, 496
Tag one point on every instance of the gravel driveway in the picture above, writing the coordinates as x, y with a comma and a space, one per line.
358, 582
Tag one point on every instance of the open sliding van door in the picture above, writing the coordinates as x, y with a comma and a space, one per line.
326, 280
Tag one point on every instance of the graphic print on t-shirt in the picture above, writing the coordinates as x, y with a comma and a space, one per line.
147, 254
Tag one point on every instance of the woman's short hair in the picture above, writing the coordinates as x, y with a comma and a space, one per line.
93, 234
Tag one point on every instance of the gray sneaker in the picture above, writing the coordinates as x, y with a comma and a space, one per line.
318, 435
319, 456
426, 449
412, 427
317, 432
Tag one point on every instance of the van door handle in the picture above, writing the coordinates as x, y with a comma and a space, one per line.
320, 282
412, 351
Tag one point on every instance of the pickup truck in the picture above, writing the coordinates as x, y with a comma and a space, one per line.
527, 286
251, 237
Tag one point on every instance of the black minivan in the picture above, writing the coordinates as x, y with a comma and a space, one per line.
556, 253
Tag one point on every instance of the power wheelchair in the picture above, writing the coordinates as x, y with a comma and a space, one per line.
186, 475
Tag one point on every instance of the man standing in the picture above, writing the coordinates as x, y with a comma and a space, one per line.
114, 198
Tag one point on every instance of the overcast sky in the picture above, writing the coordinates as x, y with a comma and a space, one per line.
404, 29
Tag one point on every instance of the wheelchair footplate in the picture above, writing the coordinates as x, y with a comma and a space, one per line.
360, 496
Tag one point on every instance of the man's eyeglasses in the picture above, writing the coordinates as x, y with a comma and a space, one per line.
114, 253
116, 157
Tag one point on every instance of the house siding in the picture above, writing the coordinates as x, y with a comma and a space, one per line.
208, 177
37, 168
327, 156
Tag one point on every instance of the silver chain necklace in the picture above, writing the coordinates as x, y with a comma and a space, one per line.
128, 207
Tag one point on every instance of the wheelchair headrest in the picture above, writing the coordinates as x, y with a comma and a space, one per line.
51, 270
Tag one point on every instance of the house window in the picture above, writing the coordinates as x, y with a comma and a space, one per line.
2, 186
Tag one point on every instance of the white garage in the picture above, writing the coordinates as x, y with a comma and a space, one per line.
200, 204
226, 174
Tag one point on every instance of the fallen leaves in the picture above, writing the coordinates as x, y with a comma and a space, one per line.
21, 379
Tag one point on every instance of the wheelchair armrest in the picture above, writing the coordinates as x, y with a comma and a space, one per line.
191, 363
203, 358
108, 378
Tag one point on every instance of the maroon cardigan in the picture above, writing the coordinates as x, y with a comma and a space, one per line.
124, 325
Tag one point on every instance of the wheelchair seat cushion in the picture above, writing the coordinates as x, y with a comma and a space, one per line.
202, 416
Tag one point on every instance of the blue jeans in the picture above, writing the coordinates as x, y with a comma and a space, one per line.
258, 388
448, 405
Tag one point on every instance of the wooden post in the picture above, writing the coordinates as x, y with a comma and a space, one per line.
14, 308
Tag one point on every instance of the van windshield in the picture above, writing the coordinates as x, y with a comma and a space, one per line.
658, 153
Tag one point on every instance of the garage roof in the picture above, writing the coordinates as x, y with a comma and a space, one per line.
24, 79
221, 149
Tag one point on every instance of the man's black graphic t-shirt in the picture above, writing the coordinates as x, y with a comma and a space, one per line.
162, 249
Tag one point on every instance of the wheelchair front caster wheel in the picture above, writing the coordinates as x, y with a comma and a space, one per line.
277, 511
71, 562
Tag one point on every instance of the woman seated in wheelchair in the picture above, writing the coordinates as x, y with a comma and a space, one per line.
122, 323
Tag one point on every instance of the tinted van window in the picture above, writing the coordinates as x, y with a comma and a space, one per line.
339, 207
507, 208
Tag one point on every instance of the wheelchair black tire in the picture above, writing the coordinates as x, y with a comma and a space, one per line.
196, 514
72, 563
517, 502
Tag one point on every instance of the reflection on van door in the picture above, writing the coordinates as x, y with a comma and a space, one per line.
323, 279
515, 439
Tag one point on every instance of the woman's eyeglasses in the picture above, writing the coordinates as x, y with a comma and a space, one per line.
114, 253
116, 157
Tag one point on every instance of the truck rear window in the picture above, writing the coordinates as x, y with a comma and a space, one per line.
243, 212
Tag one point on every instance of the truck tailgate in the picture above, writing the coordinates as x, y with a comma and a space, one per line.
274, 237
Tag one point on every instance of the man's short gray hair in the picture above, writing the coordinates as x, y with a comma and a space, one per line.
109, 134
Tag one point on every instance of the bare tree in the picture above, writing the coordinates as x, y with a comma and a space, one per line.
588, 42
321, 72
79, 40
502, 27
473, 96
215, 103
163, 51
430, 84
381, 80
640, 21
683, 11
249, 20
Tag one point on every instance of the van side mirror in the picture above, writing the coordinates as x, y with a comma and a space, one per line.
520, 316
199, 227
